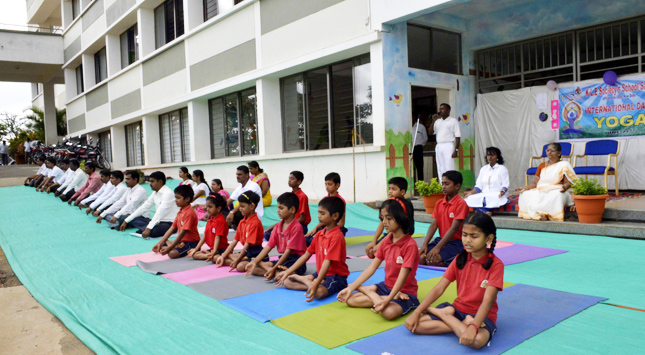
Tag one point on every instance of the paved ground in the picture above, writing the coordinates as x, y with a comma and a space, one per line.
27, 327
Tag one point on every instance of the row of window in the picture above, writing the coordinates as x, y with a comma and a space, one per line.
321, 109
169, 24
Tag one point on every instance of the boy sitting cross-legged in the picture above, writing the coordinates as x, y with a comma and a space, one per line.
287, 235
185, 222
216, 233
330, 249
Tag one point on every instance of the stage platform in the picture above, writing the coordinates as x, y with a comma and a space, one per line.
624, 217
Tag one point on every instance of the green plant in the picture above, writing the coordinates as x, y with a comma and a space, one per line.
584, 186
425, 189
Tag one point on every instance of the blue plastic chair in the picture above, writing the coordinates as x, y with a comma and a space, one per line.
567, 149
608, 147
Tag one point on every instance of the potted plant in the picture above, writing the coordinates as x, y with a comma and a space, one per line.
589, 197
431, 193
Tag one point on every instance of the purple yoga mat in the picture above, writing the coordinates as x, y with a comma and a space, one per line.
205, 273
516, 253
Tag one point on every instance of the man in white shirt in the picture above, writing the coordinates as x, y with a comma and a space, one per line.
105, 189
34, 180
163, 198
64, 166
115, 193
134, 196
67, 178
27, 146
52, 175
242, 175
446, 128
420, 140
77, 182
4, 151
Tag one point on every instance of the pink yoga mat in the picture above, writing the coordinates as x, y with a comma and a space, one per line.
131, 260
205, 273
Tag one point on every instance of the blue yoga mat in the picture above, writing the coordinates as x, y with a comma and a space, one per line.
357, 232
524, 311
280, 302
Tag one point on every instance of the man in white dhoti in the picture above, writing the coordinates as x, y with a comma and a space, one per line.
446, 128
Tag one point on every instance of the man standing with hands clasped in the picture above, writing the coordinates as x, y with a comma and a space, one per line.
446, 128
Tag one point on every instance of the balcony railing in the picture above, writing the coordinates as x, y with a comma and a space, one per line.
31, 28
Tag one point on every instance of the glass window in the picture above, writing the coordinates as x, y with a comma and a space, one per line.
433, 49
100, 65
174, 134
134, 144
233, 124
210, 9
79, 80
76, 8
169, 21
105, 143
129, 46
293, 113
326, 106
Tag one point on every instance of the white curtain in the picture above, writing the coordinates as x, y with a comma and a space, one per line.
509, 120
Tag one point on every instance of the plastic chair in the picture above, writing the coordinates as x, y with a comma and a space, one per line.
608, 147
567, 150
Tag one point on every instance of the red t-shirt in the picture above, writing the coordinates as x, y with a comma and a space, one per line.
303, 206
250, 230
291, 238
187, 220
330, 246
339, 196
403, 253
446, 212
216, 226
472, 281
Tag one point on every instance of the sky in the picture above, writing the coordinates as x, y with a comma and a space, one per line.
14, 97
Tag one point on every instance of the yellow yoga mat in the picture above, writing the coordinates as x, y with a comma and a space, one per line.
336, 324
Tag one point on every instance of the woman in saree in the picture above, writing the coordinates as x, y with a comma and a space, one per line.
491, 188
262, 179
547, 196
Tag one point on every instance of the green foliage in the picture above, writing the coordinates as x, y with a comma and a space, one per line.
425, 189
584, 186
36, 122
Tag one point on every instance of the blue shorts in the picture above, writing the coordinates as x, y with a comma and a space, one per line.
380, 239
254, 250
292, 260
406, 305
184, 247
449, 251
488, 324
333, 283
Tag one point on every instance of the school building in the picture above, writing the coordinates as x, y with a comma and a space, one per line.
318, 86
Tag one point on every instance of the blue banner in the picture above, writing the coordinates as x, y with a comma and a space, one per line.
603, 111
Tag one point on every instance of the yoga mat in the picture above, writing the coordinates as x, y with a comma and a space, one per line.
524, 311
168, 266
360, 264
357, 232
207, 272
514, 254
284, 302
337, 324
131, 260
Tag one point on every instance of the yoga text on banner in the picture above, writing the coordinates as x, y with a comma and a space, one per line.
599, 110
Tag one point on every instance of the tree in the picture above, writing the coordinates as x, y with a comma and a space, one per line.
11, 125
36, 122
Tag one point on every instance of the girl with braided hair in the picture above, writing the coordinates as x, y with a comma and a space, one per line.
479, 275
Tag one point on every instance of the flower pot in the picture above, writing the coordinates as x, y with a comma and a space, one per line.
590, 207
430, 201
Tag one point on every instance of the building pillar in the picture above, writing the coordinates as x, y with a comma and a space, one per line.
113, 54
269, 113
146, 31
49, 109
199, 126
151, 140
119, 154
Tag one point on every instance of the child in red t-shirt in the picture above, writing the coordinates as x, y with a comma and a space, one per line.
332, 184
448, 216
330, 249
397, 294
185, 222
479, 275
216, 233
249, 233
287, 236
302, 212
